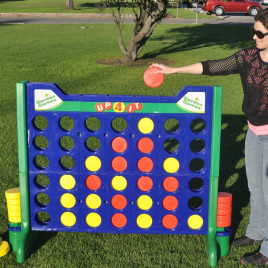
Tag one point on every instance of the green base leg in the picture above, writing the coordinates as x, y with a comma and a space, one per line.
14, 239
211, 237
212, 252
25, 245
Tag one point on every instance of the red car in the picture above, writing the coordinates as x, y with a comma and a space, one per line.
219, 7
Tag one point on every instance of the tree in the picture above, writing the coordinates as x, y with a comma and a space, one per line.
69, 4
150, 13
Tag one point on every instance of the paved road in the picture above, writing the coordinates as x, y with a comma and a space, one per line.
25, 18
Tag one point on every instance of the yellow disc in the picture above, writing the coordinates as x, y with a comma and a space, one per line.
14, 213
67, 182
93, 219
119, 183
14, 219
68, 219
13, 208
13, 202
144, 221
13, 193
195, 222
4, 248
171, 165
144, 202
93, 201
67, 200
146, 125
93, 163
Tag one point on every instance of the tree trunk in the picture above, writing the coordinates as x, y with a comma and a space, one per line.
126, 59
69, 4
141, 33
151, 13
144, 26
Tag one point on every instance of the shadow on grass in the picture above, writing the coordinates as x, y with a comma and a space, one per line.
177, 39
189, 37
232, 168
5, 236
43, 238
92, 5
101, 6
8, 21
4, 2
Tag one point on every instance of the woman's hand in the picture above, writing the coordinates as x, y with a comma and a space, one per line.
163, 69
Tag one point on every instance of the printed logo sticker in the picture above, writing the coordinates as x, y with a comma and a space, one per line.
45, 100
193, 102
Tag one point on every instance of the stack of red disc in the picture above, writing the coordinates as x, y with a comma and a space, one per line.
224, 209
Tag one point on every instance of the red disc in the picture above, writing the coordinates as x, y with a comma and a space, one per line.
145, 164
153, 79
145, 145
224, 212
223, 221
119, 164
119, 144
119, 220
170, 184
224, 218
170, 203
224, 197
93, 182
224, 206
145, 183
119, 201
169, 221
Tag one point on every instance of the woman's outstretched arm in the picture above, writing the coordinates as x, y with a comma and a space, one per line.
196, 68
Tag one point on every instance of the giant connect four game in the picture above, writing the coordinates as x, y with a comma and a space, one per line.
119, 164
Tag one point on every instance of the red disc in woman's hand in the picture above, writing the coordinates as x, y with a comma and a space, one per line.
153, 79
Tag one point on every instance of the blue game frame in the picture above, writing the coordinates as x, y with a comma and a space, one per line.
158, 109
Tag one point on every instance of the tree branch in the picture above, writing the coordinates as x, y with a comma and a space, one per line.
120, 37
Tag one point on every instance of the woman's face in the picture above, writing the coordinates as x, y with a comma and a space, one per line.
260, 43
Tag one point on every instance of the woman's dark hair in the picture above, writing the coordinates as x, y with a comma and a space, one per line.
262, 17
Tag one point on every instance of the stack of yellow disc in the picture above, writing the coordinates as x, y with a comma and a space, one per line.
13, 205
4, 248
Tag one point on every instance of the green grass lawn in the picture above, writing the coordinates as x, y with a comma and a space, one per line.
68, 55
81, 6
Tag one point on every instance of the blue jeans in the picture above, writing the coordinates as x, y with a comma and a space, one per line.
256, 158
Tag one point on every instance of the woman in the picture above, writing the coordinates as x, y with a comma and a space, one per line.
252, 65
